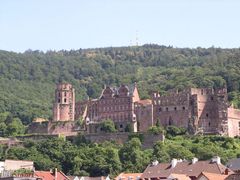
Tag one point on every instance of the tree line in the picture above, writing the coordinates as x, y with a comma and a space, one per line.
27, 80
84, 158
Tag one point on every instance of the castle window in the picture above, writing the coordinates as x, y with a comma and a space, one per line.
121, 126
175, 108
183, 107
212, 98
209, 124
207, 115
59, 94
202, 91
65, 93
166, 108
65, 100
59, 100
160, 109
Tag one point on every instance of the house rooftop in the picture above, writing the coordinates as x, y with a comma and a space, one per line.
191, 169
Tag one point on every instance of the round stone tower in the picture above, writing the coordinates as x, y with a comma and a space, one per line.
64, 105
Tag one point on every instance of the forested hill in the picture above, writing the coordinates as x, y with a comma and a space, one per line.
27, 80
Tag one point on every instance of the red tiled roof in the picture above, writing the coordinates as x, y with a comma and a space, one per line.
47, 175
213, 176
191, 170
179, 176
126, 176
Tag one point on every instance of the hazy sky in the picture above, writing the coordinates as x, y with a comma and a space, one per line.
74, 24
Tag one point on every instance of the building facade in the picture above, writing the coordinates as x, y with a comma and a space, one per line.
115, 103
200, 110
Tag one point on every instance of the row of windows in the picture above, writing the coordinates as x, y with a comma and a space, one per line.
125, 100
117, 116
64, 100
167, 109
59, 94
110, 108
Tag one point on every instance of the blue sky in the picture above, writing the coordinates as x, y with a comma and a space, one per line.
74, 24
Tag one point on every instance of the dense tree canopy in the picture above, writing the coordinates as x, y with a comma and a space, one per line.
110, 158
27, 80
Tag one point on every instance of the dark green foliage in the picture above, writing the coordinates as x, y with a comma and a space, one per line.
156, 130
172, 131
107, 126
132, 157
128, 128
109, 158
28, 79
138, 135
10, 126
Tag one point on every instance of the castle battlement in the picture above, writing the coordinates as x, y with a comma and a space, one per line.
200, 110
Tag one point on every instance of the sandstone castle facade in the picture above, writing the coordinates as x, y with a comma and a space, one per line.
202, 110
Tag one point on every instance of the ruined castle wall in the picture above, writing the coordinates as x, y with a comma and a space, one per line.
233, 122
144, 116
208, 113
172, 109
38, 128
61, 127
148, 139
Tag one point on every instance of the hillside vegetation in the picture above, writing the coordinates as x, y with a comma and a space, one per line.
83, 158
27, 80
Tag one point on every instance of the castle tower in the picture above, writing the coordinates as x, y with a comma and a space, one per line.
64, 105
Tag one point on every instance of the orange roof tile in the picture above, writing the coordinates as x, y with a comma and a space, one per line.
213, 176
179, 176
126, 176
47, 175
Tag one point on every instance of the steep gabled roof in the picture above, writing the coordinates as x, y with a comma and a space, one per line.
179, 177
127, 176
47, 175
213, 176
165, 169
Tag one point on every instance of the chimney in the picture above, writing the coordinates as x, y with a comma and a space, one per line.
155, 162
55, 174
174, 163
216, 159
194, 160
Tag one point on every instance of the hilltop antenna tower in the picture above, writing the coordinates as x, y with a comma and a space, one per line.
137, 39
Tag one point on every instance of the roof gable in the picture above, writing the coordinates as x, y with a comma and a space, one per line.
192, 170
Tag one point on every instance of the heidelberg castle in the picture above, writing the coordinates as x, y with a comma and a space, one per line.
200, 110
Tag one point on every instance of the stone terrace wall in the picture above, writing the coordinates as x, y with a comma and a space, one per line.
121, 138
